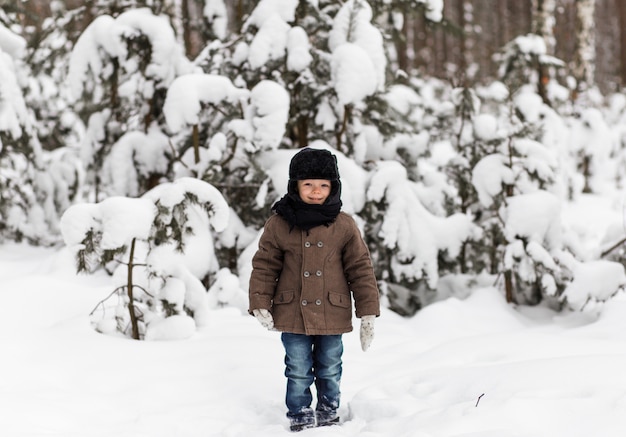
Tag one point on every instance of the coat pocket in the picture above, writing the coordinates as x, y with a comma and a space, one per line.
284, 297
339, 300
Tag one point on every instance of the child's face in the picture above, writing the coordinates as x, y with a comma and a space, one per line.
314, 191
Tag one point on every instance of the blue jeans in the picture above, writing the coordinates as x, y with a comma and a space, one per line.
309, 359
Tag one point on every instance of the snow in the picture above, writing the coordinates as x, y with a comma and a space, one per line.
352, 74
488, 176
535, 216
177, 327
461, 367
597, 278
532, 44
170, 194
10, 43
167, 59
101, 34
270, 111
135, 153
358, 53
434, 9
270, 42
107, 34
13, 112
298, 49
118, 219
485, 127
284, 9
186, 93
215, 12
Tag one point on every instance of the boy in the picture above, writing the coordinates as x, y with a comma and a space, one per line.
311, 261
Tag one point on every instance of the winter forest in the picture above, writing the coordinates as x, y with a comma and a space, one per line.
153, 146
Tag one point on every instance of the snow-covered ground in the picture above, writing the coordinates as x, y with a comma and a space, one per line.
475, 367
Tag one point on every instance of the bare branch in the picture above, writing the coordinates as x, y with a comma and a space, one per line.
478, 400
612, 248
101, 303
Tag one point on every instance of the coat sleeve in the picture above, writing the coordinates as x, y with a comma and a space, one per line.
360, 275
267, 264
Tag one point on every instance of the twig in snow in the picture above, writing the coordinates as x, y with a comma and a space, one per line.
478, 400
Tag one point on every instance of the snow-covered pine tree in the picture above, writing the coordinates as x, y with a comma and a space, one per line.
523, 61
48, 54
406, 221
59, 129
501, 163
519, 174
161, 244
27, 209
522, 182
120, 69
476, 166
414, 239
215, 123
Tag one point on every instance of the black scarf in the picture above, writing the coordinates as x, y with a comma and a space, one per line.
305, 215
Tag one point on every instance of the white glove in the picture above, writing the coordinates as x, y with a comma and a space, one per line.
367, 331
264, 317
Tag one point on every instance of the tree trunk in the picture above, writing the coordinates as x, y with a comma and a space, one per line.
464, 43
34, 12
622, 25
188, 22
129, 289
543, 25
400, 38
503, 24
196, 144
585, 56
508, 286
543, 22
186, 27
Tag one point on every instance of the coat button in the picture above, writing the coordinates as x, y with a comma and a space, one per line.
304, 302
320, 244
318, 302
318, 273
307, 274
307, 244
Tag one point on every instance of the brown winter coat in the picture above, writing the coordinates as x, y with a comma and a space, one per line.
307, 280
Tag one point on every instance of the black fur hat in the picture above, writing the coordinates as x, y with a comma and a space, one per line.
313, 164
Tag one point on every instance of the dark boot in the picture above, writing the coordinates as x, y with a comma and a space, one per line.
332, 422
302, 420
297, 427
326, 416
